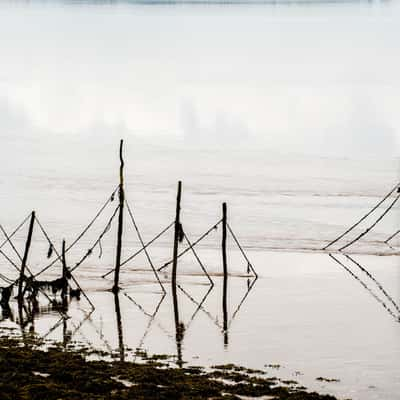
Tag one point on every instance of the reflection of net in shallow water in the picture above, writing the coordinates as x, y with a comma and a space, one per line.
394, 313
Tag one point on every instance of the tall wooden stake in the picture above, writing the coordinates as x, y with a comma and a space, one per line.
178, 327
64, 277
25, 258
176, 235
225, 267
121, 194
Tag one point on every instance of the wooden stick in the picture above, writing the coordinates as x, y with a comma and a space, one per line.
25, 258
121, 196
225, 268
176, 236
178, 327
64, 277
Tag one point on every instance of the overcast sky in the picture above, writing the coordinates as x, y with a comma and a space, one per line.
315, 79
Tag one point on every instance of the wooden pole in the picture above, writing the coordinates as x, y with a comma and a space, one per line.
64, 277
176, 235
121, 196
25, 258
225, 268
178, 327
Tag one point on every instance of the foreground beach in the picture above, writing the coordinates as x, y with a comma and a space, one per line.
27, 373
347, 337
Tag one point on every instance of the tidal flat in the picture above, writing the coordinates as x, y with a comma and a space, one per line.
28, 372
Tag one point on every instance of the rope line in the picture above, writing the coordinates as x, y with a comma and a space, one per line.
15, 250
51, 244
363, 218
373, 225
143, 246
249, 265
58, 257
198, 259
15, 230
47, 236
90, 250
148, 243
391, 237
79, 237
142, 249
190, 247
11, 243
7, 280
9, 260
83, 292
109, 200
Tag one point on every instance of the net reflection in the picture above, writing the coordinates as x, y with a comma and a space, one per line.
347, 263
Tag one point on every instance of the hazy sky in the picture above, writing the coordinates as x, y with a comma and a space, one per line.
314, 79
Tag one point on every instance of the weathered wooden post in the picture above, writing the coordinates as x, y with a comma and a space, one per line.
64, 290
25, 258
121, 195
179, 329
176, 235
225, 269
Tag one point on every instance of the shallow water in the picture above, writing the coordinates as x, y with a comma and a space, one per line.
305, 313
287, 113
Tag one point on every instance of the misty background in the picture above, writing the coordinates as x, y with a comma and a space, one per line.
316, 79
288, 112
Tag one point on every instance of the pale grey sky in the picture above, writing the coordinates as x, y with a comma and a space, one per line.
303, 78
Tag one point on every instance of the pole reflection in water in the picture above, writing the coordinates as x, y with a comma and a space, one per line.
225, 269
119, 327
179, 328
225, 310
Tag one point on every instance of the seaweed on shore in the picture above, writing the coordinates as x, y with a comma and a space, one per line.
55, 374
